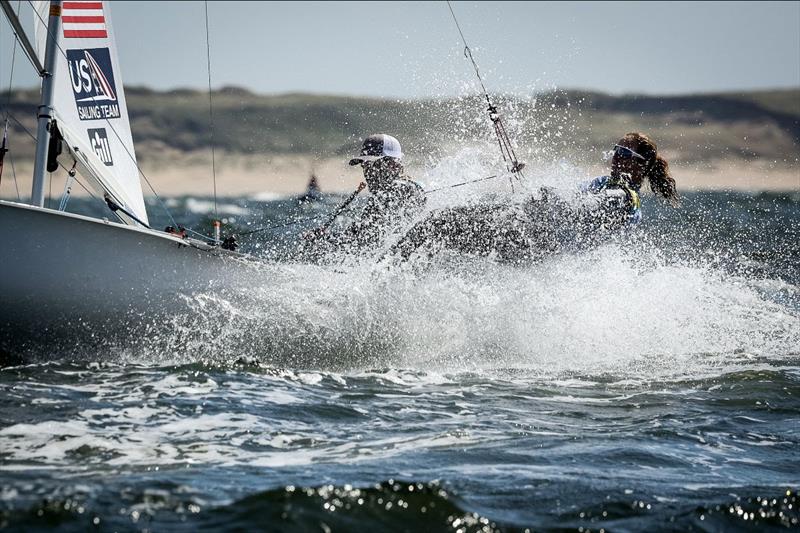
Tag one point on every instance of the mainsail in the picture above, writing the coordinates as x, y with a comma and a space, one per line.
89, 100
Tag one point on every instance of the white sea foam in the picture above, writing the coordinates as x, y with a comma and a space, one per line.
195, 205
173, 385
614, 309
270, 196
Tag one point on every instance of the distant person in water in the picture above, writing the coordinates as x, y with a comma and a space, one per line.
546, 223
395, 197
313, 192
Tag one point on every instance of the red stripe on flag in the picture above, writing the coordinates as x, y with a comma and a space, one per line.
83, 5
88, 20
85, 33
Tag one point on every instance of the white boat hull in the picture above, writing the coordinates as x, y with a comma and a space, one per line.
70, 281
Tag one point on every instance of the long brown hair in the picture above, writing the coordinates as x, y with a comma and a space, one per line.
656, 167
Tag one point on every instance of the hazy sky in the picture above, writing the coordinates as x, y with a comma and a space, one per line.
412, 49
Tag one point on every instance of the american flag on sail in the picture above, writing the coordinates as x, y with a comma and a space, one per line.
84, 20
102, 86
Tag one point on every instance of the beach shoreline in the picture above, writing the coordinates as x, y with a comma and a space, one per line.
283, 175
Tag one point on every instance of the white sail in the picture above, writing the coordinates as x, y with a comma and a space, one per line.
91, 167
89, 99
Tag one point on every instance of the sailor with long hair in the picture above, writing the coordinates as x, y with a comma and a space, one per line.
546, 223
634, 159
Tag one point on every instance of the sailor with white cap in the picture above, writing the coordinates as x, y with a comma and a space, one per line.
381, 158
394, 194
376, 147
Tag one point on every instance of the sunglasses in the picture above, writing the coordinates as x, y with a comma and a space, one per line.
627, 153
383, 160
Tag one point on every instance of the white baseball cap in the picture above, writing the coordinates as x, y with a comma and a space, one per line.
376, 147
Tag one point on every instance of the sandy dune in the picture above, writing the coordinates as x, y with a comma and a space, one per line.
282, 175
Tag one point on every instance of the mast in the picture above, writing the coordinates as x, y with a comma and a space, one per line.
46, 103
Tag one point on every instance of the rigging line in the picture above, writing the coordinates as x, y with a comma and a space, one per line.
277, 226
13, 167
206, 237
468, 53
4, 149
341, 209
282, 225
110, 125
11, 75
83, 186
24, 48
506, 148
21, 125
211, 116
462, 183
344, 207
68, 171
14, 173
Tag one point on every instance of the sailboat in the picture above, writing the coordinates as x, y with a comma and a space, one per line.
65, 277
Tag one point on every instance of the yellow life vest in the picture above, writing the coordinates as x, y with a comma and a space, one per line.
633, 196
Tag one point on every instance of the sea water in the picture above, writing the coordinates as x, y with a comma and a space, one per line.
651, 383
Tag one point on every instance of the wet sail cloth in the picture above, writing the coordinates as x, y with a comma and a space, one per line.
89, 100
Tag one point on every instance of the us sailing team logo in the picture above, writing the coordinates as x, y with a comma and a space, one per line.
98, 138
92, 80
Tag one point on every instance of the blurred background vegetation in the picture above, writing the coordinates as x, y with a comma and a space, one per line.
172, 127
